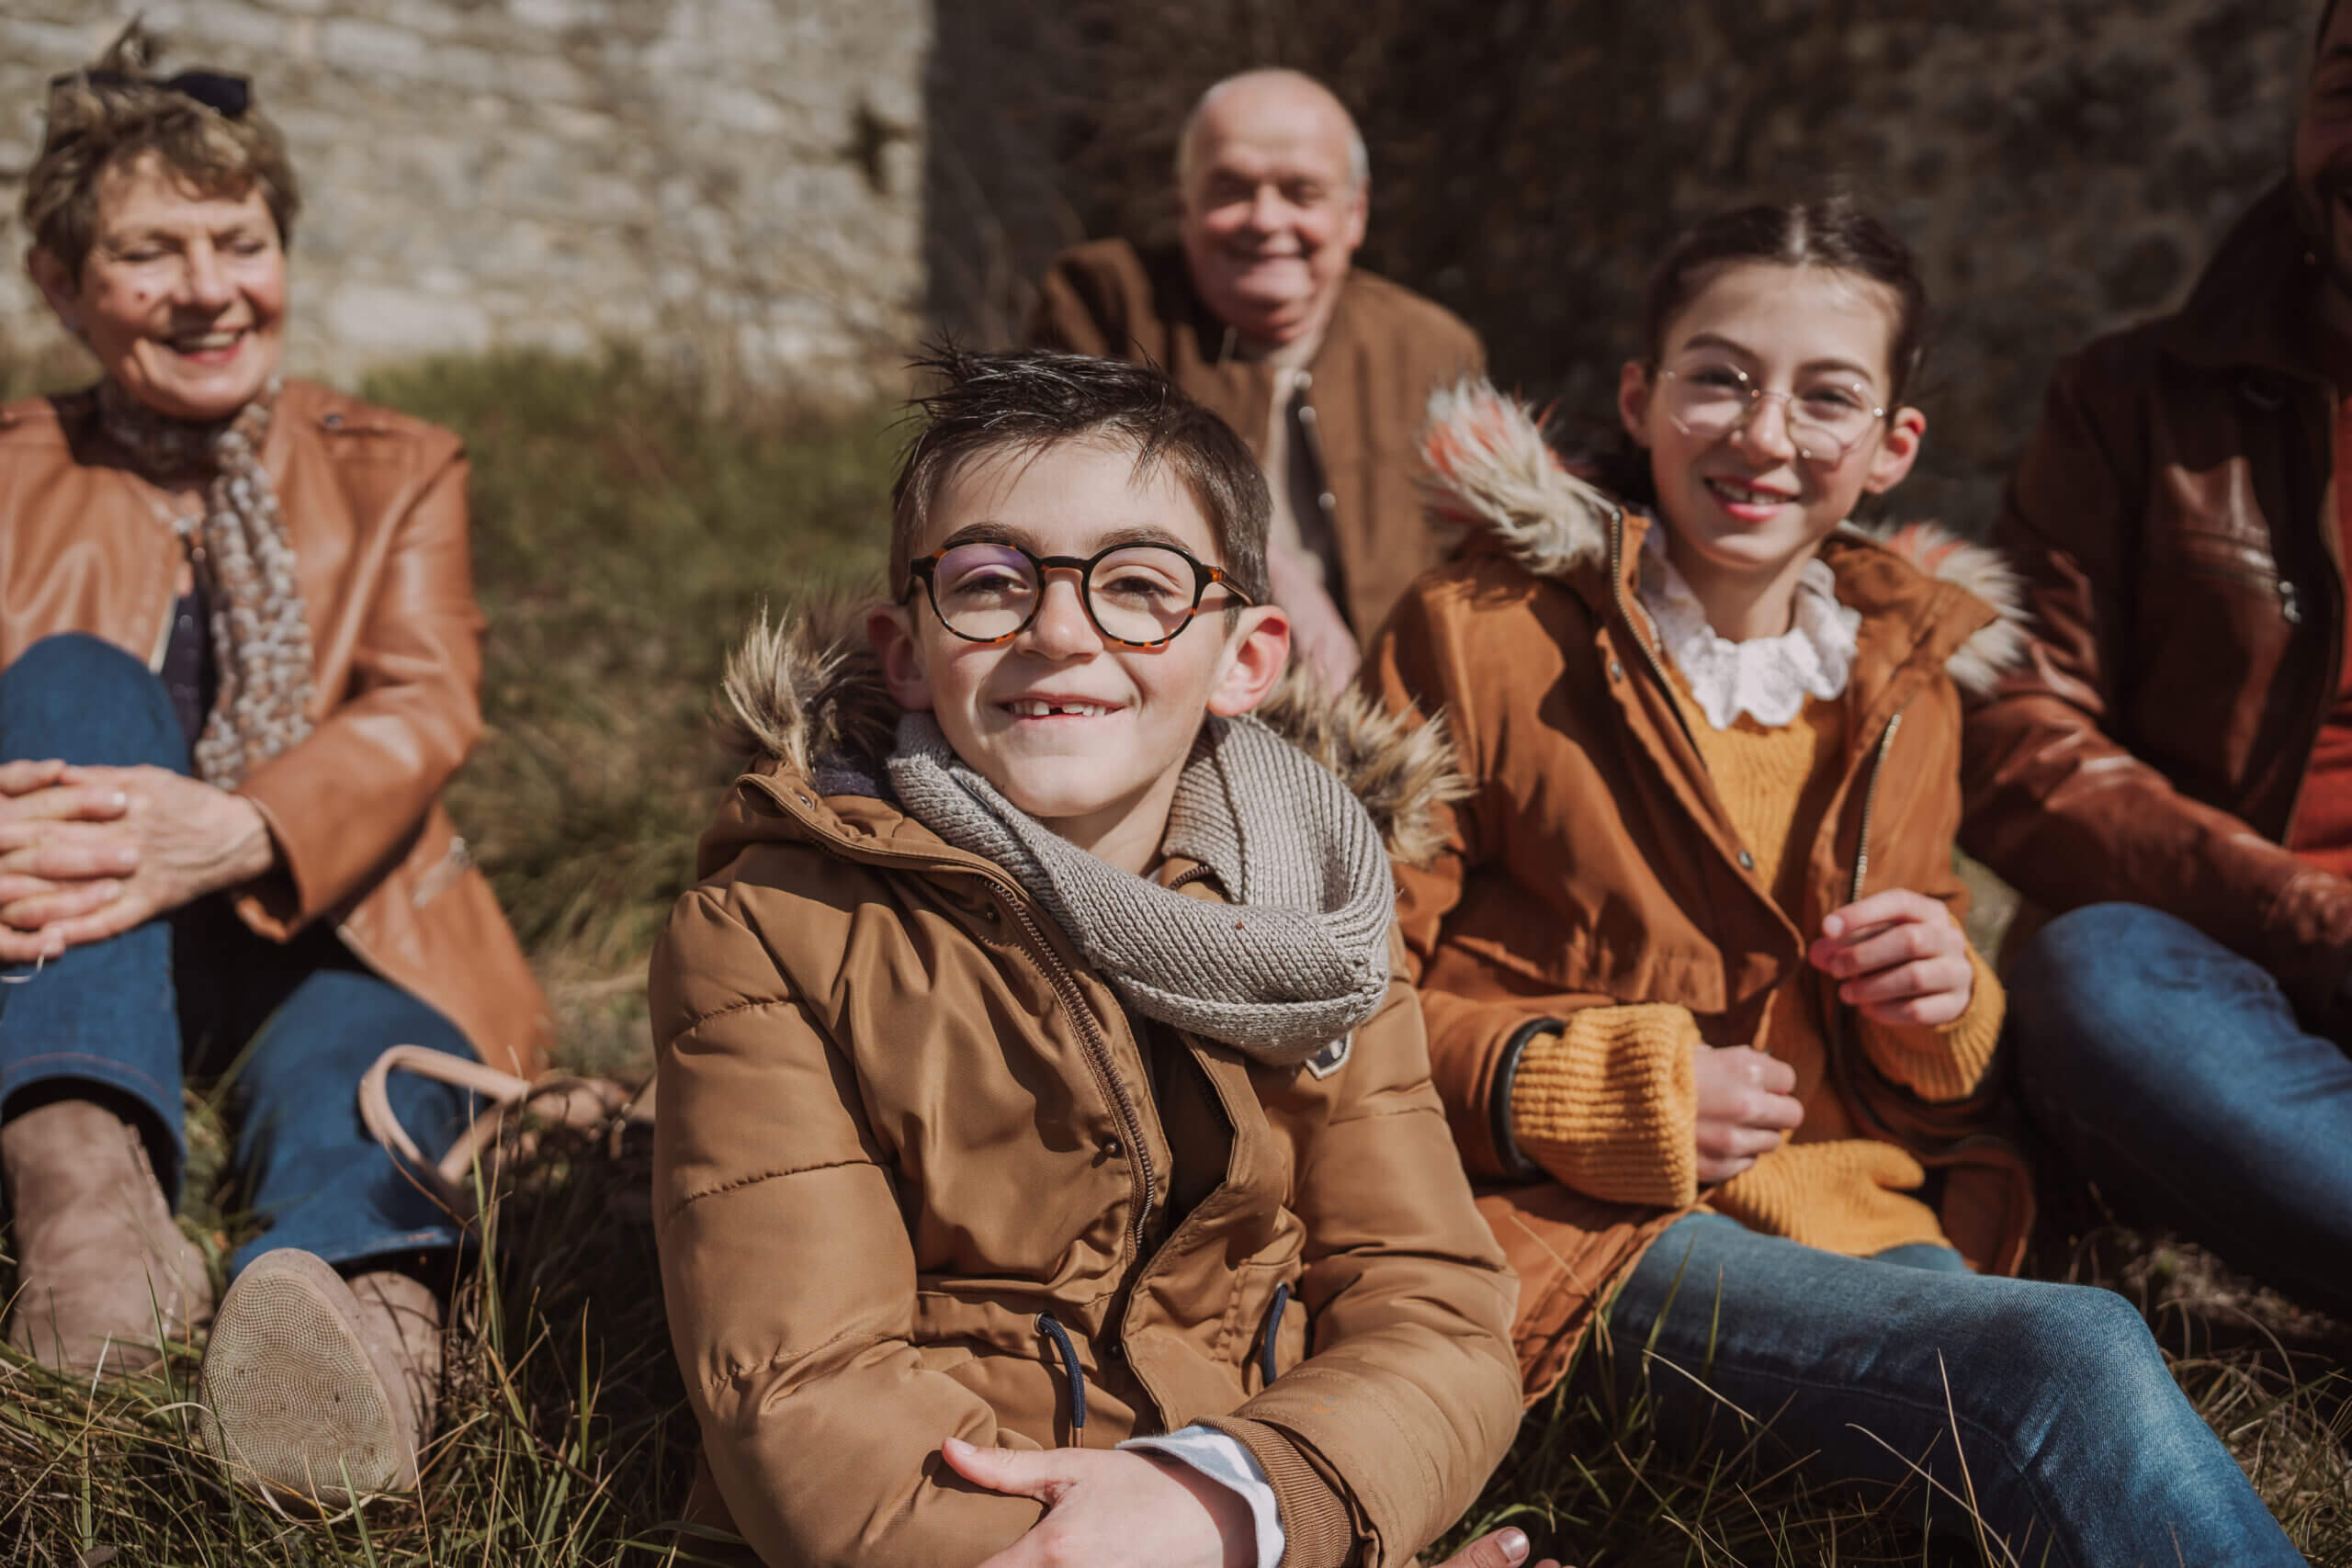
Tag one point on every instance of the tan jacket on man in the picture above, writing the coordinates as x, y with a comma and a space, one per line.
902, 1120
1595, 863
1385, 350
375, 504
2174, 521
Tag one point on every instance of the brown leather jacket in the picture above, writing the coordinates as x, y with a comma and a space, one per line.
901, 1119
375, 505
2174, 521
1386, 349
1594, 863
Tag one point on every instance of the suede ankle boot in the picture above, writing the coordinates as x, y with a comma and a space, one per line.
99, 1262
319, 1387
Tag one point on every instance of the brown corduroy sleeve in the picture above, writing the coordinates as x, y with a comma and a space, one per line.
1318, 1528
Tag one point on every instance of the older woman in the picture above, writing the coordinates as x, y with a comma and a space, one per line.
239, 653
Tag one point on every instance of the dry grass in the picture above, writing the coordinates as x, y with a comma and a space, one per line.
624, 534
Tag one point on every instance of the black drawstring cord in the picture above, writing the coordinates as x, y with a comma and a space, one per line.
1274, 1327
1069, 1353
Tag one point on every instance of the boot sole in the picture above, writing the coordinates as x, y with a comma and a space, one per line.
291, 1396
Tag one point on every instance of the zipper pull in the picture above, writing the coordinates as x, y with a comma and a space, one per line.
2291, 609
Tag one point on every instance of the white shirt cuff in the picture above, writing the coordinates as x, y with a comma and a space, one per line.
1226, 1460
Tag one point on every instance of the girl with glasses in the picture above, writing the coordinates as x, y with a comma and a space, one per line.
1696, 987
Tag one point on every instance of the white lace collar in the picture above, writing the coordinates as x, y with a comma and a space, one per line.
1768, 677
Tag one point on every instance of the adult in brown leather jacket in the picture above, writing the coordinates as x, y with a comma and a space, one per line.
237, 658
1321, 366
2167, 773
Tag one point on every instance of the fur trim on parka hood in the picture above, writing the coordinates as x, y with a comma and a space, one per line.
1487, 468
805, 691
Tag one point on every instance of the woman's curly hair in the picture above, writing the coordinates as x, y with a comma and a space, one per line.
115, 112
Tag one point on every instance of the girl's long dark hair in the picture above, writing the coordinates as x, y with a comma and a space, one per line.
1833, 233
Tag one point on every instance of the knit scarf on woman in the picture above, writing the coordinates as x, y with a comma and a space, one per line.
1298, 959
261, 640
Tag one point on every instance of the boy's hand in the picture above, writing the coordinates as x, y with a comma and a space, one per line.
1745, 1107
1505, 1548
1111, 1509
1899, 957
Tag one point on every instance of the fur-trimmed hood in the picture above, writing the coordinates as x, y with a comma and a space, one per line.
1487, 470
805, 691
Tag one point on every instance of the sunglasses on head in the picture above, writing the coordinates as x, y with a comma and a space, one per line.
226, 96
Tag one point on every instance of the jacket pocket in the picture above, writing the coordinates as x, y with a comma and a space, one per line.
1266, 1328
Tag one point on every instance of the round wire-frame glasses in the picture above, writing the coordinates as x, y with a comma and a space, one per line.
1826, 422
987, 592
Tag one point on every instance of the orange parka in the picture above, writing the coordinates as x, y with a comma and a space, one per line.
903, 1124
1593, 863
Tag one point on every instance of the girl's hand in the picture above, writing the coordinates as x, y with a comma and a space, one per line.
1899, 957
1113, 1508
1745, 1108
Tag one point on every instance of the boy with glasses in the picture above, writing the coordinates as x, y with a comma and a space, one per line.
1048, 1160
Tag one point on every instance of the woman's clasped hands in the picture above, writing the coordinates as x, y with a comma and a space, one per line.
88, 852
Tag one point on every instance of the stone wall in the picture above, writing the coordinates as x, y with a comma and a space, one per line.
733, 181
2061, 166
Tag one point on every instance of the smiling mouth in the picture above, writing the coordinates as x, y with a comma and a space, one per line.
214, 341
1037, 707
1738, 492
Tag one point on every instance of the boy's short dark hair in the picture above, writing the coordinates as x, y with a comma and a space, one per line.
1026, 400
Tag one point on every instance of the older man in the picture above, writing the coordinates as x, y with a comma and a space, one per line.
2172, 769
1324, 369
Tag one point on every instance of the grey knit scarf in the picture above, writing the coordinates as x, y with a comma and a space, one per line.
260, 636
1298, 959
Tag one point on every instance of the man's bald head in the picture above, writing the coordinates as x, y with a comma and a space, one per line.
1286, 87
1272, 184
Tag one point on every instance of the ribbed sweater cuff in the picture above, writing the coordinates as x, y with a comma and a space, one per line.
1852, 1196
1515, 1163
1948, 1061
1609, 1106
1318, 1529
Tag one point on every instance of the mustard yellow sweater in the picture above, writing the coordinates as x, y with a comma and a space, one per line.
1609, 1106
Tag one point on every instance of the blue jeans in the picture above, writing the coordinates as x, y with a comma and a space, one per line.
291, 1027
2080, 1447
2177, 1076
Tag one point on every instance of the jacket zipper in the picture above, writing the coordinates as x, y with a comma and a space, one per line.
1092, 1045
1839, 1040
1625, 613
1870, 805
1097, 1051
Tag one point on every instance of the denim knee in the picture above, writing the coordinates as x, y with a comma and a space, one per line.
2075, 1351
77, 659
2094, 948
80, 697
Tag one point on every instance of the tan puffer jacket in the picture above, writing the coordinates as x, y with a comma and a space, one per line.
903, 1124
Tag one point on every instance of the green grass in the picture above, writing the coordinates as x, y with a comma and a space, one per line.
623, 537
626, 529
